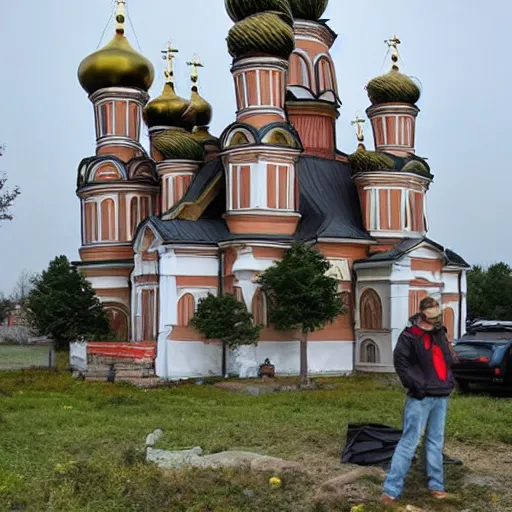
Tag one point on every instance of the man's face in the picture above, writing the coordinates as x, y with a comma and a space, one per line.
433, 316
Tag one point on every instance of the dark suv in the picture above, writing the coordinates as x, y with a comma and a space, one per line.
484, 355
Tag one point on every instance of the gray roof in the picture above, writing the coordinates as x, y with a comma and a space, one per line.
408, 244
328, 203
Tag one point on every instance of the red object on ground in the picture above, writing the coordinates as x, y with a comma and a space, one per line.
137, 351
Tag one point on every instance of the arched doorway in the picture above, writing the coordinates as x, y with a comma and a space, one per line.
119, 323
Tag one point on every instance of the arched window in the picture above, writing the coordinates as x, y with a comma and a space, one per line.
370, 309
299, 71
91, 222
186, 310
369, 352
134, 215
259, 308
325, 75
108, 220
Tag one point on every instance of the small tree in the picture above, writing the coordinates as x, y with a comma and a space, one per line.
63, 305
227, 320
301, 297
22, 288
7, 197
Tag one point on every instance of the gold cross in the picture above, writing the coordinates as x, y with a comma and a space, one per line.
169, 56
393, 42
195, 63
359, 122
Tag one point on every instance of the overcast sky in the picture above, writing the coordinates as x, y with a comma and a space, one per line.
458, 49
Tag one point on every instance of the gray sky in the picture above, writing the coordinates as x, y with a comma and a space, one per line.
459, 49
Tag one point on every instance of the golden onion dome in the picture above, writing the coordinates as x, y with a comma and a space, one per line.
116, 65
199, 111
263, 33
168, 110
178, 144
394, 87
308, 9
202, 134
241, 9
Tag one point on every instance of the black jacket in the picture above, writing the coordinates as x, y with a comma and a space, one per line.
423, 360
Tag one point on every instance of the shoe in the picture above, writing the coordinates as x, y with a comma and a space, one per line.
387, 500
439, 495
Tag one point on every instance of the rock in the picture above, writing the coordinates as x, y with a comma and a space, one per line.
154, 437
411, 508
248, 493
253, 390
173, 460
275, 465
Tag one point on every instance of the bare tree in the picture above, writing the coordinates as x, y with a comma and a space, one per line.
22, 287
7, 197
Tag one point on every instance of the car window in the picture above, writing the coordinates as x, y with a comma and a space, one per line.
473, 352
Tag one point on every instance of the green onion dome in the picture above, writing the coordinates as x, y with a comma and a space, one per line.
308, 9
368, 161
393, 87
178, 144
168, 110
241, 9
116, 65
263, 33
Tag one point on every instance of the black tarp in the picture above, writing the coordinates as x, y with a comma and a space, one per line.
374, 445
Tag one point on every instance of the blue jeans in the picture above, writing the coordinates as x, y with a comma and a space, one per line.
429, 414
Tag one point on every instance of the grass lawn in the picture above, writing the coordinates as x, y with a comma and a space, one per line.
75, 446
14, 357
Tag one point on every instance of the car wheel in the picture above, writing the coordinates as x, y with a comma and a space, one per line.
463, 386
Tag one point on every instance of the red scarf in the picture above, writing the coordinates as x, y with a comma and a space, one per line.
437, 354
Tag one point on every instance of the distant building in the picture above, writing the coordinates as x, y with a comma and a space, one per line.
204, 214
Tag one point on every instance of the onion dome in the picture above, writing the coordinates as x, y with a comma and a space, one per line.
263, 33
168, 110
199, 111
394, 87
241, 9
117, 64
202, 134
178, 144
368, 161
308, 9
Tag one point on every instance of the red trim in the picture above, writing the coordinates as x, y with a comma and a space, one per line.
137, 351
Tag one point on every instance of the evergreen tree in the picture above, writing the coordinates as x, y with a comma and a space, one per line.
301, 297
63, 305
227, 320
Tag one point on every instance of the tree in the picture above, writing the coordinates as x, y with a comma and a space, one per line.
7, 197
490, 292
301, 297
63, 305
226, 319
6, 307
22, 288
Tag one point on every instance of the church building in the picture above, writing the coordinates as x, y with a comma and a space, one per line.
203, 214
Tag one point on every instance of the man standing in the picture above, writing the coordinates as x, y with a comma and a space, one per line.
422, 359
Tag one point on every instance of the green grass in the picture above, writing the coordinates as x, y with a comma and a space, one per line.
74, 446
13, 357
